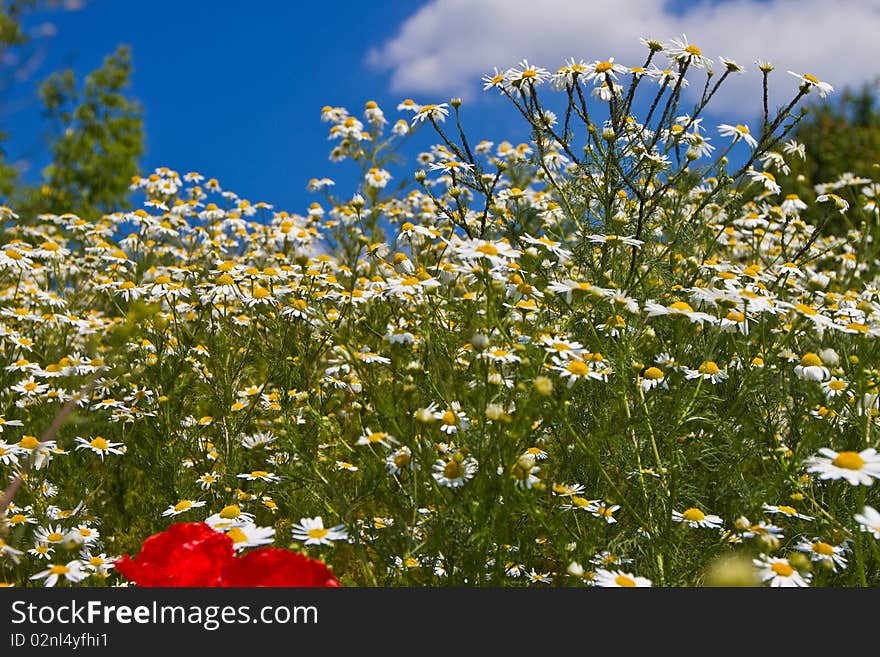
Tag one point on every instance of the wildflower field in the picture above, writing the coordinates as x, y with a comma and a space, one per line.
617, 354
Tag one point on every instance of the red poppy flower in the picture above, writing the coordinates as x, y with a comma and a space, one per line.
276, 567
185, 554
195, 555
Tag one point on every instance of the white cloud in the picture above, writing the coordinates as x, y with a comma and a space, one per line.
446, 46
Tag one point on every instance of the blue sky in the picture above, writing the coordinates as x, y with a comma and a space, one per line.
234, 89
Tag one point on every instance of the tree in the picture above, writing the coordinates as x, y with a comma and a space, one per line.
96, 132
98, 138
841, 136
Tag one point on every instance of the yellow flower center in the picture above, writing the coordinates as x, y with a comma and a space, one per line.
849, 461
54, 537
602, 67
17, 519
162, 280
29, 442
261, 293
693, 50
182, 506
224, 279
96, 561
822, 548
230, 512
487, 249
450, 418
237, 535
99, 443
735, 316
453, 469
837, 384
708, 367
682, 306
811, 78
782, 569
59, 569
578, 368
788, 510
811, 360
257, 474
402, 460
653, 373
742, 128
694, 515
623, 580
317, 532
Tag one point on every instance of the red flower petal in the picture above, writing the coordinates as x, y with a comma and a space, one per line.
185, 554
277, 567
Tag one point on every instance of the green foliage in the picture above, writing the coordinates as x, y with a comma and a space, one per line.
96, 133
98, 138
842, 136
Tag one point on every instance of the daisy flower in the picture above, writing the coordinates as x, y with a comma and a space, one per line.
696, 518
707, 370
811, 82
452, 419
778, 572
182, 507
858, 468
605, 511
567, 490
523, 74
869, 521
260, 475
431, 112
249, 535
229, 516
789, 511
599, 69
811, 368
651, 378
97, 564
49, 534
686, 53
100, 446
821, 551
738, 132
42, 551
834, 387
313, 532
618, 578
573, 369
678, 308
454, 472
72, 571
370, 437
399, 460
767, 179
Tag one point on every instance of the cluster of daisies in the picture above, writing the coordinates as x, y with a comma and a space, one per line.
482, 366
